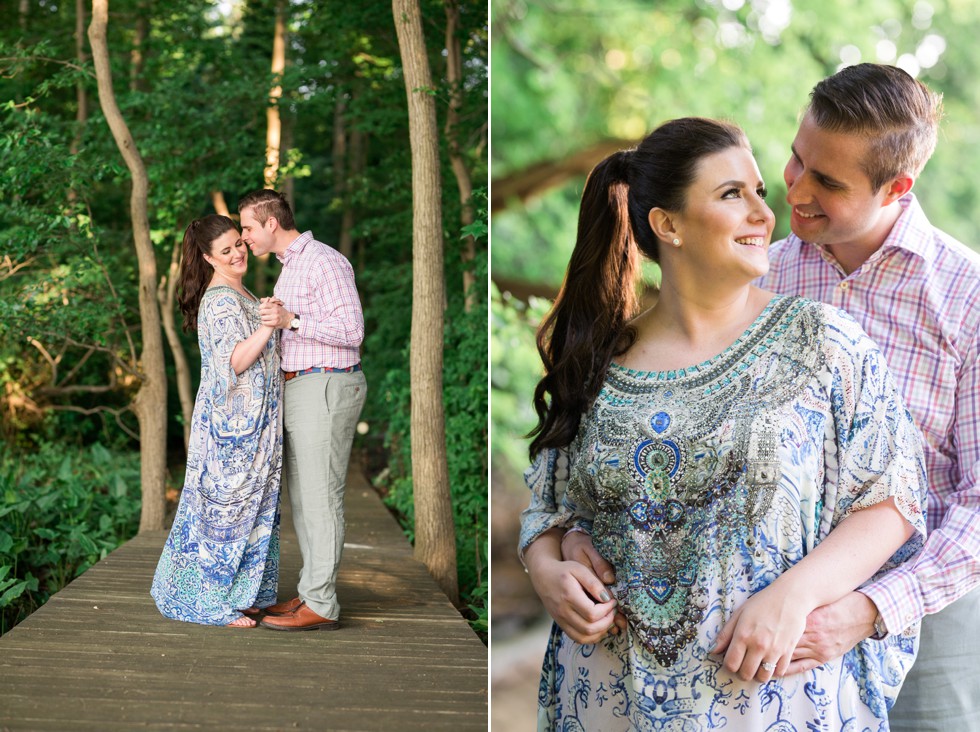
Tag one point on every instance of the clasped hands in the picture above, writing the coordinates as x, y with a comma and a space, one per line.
273, 314
771, 627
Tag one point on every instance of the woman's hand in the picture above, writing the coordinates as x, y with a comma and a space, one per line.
765, 630
577, 546
571, 593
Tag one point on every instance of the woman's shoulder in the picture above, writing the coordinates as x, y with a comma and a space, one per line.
840, 333
220, 301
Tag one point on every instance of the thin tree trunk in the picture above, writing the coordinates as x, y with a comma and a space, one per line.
435, 533
358, 161
286, 187
137, 56
150, 402
167, 297
220, 206
342, 168
81, 96
273, 129
273, 125
454, 77
22, 13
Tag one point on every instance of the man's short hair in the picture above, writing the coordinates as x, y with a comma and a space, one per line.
268, 203
898, 114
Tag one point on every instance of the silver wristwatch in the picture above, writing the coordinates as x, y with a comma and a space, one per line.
881, 630
294, 323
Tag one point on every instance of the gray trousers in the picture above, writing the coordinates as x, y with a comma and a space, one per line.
320, 418
942, 691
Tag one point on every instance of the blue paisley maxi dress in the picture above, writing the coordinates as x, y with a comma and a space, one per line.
222, 554
701, 486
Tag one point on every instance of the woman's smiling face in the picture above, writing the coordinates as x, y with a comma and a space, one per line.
725, 226
229, 255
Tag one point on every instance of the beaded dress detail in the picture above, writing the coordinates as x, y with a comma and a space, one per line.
701, 486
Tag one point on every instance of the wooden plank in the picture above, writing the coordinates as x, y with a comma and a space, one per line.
98, 655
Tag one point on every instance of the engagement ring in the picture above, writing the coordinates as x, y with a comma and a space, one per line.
768, 666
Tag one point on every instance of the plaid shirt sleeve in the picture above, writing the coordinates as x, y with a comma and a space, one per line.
949, 565
337, 319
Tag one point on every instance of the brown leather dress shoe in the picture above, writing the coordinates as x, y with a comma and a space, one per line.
302, 618
283, 608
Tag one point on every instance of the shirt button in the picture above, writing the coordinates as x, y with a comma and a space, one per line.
844, 285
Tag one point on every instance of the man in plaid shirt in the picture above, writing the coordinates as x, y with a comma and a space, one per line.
861, 241
318, 309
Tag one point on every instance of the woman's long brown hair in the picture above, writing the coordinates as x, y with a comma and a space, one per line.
195, 273
589, 323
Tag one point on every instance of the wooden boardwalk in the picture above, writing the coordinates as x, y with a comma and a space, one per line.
98, 655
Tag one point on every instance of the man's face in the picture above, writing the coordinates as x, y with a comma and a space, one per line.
259, 237
830, 194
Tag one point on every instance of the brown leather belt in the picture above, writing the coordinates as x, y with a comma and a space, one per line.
287, 375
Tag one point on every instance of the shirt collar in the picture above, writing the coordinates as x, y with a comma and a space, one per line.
911, 232
296, 247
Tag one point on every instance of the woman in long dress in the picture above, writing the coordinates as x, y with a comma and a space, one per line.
221, 561
739, 457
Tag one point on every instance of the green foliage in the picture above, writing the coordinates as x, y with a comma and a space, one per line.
60, 512
515, 370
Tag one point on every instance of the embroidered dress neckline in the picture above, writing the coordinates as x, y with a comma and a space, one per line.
746, 343
228, 287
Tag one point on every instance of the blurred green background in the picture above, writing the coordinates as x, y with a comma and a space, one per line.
573, 80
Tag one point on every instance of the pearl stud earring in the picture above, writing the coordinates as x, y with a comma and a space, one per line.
676, 242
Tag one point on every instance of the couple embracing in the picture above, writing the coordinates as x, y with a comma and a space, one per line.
281, 381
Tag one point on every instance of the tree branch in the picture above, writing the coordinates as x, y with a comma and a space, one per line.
69, 64
117, 413
538, 178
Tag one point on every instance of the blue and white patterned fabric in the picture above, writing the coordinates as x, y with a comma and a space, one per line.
701, 486
222, 554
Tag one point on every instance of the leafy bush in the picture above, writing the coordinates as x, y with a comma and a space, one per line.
59, 514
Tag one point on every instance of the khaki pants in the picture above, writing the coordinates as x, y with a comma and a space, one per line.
942, 691
320, 416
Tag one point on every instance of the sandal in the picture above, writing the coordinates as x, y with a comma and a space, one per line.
241, 622
252, 611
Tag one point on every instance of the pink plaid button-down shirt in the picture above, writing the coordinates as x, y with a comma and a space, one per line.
918, 297
317, 283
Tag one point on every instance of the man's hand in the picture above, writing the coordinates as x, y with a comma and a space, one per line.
571, 593
832, 630
577, 546
273, 313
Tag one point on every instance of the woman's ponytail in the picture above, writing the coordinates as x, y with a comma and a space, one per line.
587, 325
195, 273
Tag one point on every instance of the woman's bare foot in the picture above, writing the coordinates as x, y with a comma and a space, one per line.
242, 622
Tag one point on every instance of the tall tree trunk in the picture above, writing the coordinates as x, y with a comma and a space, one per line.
150, 402
218, 201
137, 56
22, 12
167, 297
435, 533
273, 129
81, 96
342, 168
357, 162
273, 125
454, 77
286, 187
